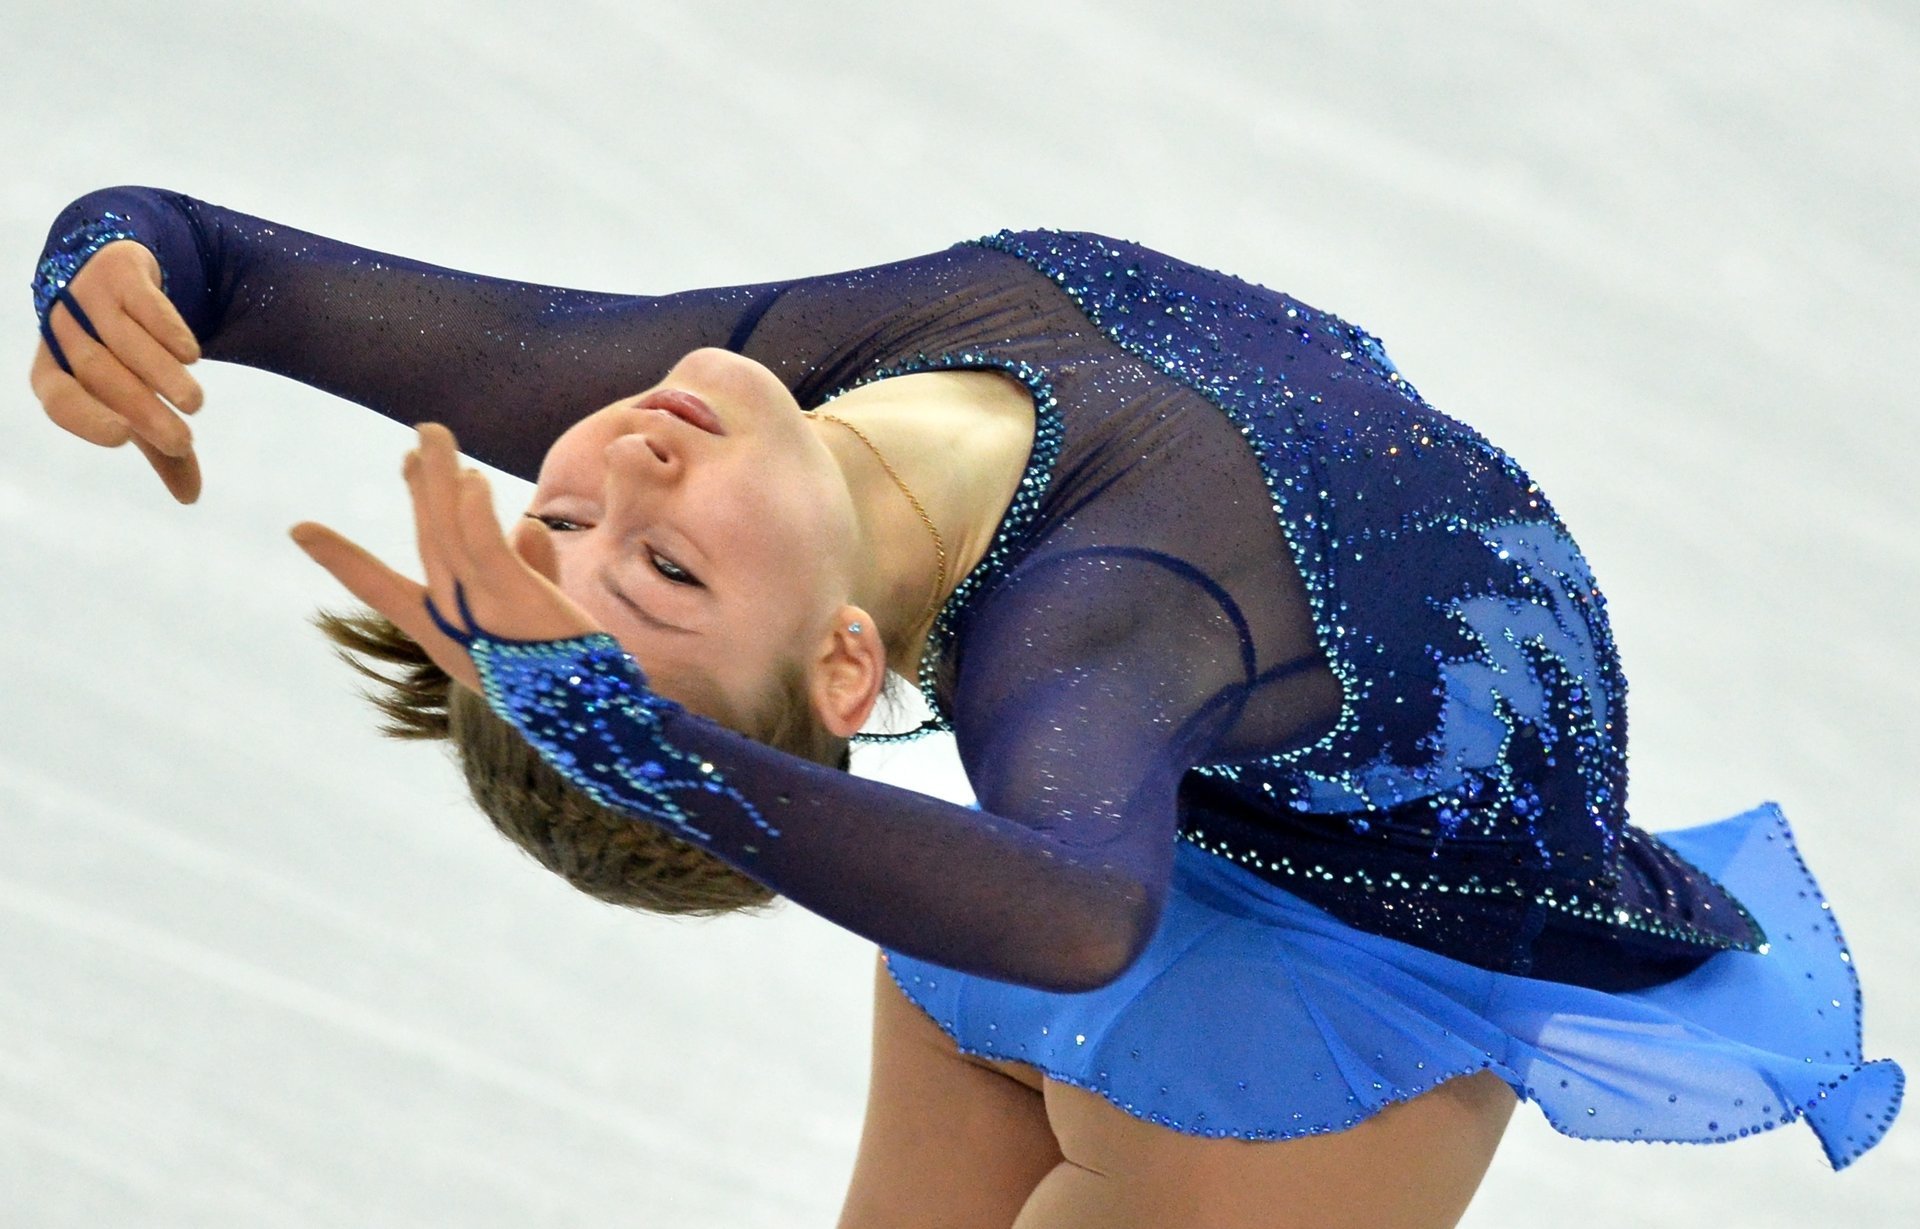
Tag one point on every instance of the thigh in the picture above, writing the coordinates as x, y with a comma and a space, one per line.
949, 1141
1414, 1165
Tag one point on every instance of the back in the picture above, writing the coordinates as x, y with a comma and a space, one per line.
1427, 732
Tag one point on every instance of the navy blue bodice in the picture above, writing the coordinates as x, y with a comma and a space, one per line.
1471, 797
1253, 593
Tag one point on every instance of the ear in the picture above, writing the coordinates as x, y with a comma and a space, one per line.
848, 672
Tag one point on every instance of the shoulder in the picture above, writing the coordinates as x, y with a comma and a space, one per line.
1080, 242
1089, 261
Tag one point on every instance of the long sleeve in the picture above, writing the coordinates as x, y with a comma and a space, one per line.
507, 365
1058, 883
1091, 679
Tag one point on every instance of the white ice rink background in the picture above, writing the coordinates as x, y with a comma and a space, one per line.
260, 967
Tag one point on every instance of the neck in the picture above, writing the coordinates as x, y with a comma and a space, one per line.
942, 575
932, 430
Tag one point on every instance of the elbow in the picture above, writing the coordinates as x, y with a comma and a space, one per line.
1100, 962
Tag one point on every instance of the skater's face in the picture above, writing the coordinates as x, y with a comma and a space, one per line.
710, 538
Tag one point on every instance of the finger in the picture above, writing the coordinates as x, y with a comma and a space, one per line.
439, 486
151, 363
154, 312
533, 542
398, 598
72, 408
481, 539
523, 604
181, 475
364, 574
110, 383
436, 559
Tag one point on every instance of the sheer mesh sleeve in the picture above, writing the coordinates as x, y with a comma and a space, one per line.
1076, 730
507, 365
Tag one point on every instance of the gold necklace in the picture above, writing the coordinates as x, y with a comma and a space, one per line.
939, 547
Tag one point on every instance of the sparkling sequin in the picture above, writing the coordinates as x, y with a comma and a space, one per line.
71, 250
585, 705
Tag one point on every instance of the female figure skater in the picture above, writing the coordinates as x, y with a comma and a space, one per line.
1291, 706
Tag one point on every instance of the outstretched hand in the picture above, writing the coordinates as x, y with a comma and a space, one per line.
132, 350
511, 589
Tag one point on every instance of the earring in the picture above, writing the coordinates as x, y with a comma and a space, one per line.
853, 628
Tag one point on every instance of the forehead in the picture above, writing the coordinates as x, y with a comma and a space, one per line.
685, 677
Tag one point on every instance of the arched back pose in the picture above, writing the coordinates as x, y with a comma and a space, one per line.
1291, 705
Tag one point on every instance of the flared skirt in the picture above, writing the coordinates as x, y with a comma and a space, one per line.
1253, 1014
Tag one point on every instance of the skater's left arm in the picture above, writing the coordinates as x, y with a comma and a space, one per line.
1089, 686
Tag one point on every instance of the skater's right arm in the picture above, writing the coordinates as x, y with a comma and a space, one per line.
507, 365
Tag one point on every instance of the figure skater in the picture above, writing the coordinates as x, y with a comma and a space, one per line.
1301, 850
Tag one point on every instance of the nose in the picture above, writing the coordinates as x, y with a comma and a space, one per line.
640, 467
641, 451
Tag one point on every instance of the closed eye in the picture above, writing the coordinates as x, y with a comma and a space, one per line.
673, 571
661, 564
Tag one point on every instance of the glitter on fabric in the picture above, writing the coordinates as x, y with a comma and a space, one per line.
1477, 713
58, 265
71, 250
585, 706
1337, 1024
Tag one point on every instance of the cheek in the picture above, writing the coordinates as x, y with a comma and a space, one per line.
782, 528
777, 524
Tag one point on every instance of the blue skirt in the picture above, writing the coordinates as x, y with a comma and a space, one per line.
1255, 1015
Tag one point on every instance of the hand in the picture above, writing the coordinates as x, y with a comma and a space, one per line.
510, 589
115, 391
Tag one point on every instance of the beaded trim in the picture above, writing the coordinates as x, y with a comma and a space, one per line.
1279, 493
1570, 904
59, 267
1048, 434
584, 704
72, 250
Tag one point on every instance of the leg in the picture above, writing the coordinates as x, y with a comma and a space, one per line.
950, 1141
1412, 1166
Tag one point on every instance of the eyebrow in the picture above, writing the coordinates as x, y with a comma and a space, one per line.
606, 582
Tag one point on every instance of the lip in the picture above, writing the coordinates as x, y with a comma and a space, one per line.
684, 406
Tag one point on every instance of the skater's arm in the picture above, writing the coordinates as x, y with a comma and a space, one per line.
507, 365
1090, 684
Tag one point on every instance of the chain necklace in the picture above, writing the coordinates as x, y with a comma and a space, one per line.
939, 546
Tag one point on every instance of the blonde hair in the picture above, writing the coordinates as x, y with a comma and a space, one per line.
608, 854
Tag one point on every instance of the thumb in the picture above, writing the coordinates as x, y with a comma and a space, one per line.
364, 575
401, 600
533, 542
